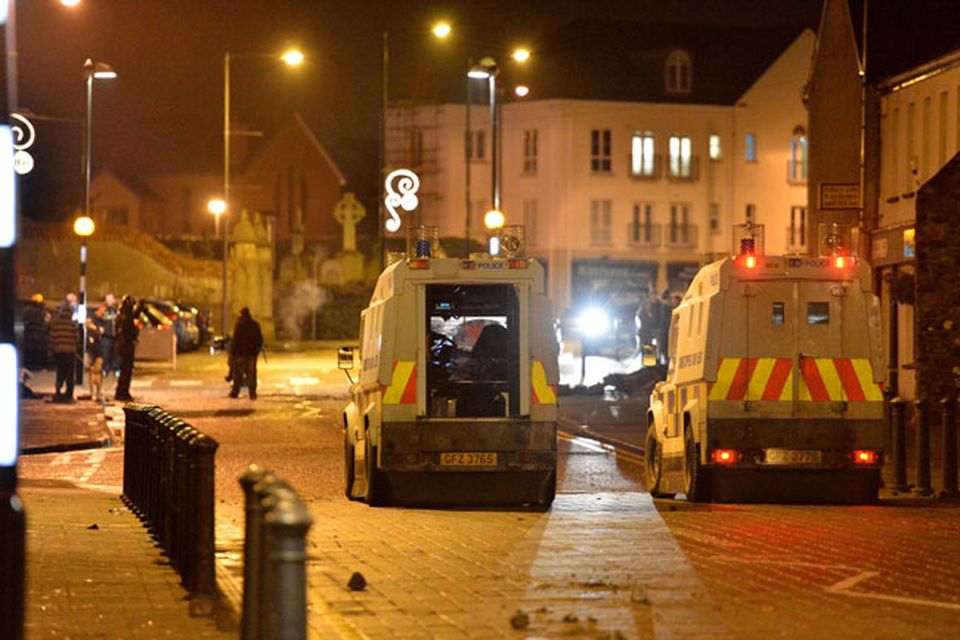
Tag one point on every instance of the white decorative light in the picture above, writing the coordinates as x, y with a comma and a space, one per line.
9, 405
401, 186
24, 135
8, 194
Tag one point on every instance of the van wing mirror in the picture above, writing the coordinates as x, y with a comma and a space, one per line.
345, 358
649, 358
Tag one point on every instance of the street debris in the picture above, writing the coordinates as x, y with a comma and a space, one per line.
520, 620
93, 527
357, 582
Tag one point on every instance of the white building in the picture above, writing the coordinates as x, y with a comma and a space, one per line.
622, 197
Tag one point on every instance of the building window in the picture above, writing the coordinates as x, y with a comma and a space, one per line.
600, 221
600, 151
530, 222
777, 316
680, 231
716, 152
642, 159
641, 225
797, 233
475, 143
751, 213
714, 217
681, 158
116, 216
530, 151
797, 169
750, 143
416, 147
679, 72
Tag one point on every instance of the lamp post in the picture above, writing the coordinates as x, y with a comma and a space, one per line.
487, 69
83, 226
440, 30
290, 57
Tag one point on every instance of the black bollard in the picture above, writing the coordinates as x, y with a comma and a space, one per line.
204, 580
269, 496
898, 420
948, 411
253, 524
287, 524
923, 487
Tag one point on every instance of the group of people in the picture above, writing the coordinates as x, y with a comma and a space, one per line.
111, 339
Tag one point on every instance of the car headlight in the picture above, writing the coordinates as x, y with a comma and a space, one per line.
593, 322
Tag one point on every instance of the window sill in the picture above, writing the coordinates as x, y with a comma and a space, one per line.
601, 174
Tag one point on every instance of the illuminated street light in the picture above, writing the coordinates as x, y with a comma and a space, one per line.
521, 90
216, 206
521, 55
494, 219
292, 58
441, 29
84, 226
70, 3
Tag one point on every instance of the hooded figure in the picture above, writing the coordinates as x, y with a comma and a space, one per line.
244, 348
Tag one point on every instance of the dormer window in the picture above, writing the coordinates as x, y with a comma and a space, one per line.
679, 72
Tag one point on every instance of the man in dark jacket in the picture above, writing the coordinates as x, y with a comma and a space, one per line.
63, 345
126, 345
244, 348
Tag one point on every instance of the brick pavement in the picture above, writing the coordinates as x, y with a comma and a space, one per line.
93, 571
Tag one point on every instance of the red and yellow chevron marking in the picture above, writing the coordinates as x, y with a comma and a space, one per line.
540, 391
403, 384
753, 378
821, 380
836, 379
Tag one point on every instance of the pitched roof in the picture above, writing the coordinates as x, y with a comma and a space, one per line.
626, 61
301, 127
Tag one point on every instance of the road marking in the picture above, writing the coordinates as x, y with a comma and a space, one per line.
186, 383
600, 447
299, 382
843, 588
141, 384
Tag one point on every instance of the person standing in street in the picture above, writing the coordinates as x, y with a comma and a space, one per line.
107, 319
127, 334
63, 345
244, 350
94, 359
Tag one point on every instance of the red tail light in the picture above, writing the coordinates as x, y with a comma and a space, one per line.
865, 456
725, 456
421, 263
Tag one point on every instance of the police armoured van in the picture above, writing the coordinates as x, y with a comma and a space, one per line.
456, 397
774, 382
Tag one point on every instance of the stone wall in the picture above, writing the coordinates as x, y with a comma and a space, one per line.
938, 284
120, 261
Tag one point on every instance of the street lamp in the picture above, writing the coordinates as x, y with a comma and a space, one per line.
83, 226
216, 206
441, 31
292, 58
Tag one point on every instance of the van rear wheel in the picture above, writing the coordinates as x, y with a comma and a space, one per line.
376, 483
349, 473
695, 482
653, 464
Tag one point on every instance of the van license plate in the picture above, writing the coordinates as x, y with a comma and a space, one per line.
790, 456
468, 459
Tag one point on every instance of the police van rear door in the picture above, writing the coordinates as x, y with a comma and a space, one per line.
771, 335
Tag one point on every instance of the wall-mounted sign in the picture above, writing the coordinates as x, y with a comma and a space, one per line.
839, 195
401, 186
24, 135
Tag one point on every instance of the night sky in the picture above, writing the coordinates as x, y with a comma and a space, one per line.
165, 111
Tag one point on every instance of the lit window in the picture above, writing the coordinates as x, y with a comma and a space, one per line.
797, 170
600, 151
679, 72
751, 147
716, 152
681, 158
642, 159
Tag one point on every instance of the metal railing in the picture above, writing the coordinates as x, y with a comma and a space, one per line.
644, 235
168, 483
796, 172
646, 173
796, 239
680, 171
680, 236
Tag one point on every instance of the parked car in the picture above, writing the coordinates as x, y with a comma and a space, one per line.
201, 319
182, 321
